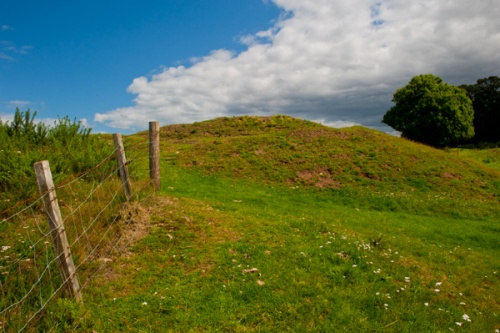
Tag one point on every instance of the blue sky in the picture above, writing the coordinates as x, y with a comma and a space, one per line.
77, 58
120, 64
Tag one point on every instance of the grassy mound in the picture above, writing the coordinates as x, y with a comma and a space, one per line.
277, 224
388, 172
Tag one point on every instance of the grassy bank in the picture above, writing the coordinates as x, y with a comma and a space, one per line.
320, 266
261, 231
276, 224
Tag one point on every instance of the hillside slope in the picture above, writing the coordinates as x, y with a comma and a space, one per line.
277, 224
298, 153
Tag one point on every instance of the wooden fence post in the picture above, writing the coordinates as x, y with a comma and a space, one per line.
122, 165
57, 231
154, 154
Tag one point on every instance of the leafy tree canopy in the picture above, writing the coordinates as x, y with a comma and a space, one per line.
485, 96
431, 111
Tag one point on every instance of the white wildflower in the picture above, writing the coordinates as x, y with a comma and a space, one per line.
466, 317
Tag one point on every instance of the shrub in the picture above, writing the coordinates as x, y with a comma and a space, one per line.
68, 146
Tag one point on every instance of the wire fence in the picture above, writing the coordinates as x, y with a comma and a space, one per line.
97, 217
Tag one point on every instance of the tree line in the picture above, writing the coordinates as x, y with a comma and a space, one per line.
432, 112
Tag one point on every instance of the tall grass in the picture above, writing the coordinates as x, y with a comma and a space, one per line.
67, 145
96, 220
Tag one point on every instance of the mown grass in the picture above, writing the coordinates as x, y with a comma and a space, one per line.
276, 224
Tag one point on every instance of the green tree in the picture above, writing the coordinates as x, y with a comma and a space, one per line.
431, 111
485, 96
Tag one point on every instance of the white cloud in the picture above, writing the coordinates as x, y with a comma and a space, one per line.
8, 49
23, 106
339, 61
4, 56
336, 123
6, 117
18, 104
51, 122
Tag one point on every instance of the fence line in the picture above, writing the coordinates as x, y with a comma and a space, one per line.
70, 179
47, 270
94, 228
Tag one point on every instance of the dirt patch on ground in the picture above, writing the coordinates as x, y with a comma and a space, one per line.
328, 183
132, 223
321, 177
306, 175
450, 176
260, 152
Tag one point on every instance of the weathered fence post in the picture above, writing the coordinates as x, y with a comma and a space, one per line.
154, 154
122, 165
57, 231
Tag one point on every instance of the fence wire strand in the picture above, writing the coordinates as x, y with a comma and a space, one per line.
90, 202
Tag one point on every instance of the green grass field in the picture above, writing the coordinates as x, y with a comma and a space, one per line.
276, 224
321, 266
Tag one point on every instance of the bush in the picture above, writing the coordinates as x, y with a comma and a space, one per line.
68, 146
